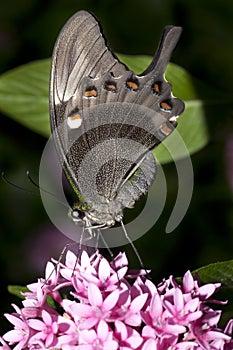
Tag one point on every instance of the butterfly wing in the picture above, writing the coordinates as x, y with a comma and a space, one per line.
105, 118
80, 51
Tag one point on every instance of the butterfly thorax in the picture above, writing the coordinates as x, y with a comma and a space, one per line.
105, 214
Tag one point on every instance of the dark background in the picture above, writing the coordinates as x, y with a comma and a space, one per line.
28, 29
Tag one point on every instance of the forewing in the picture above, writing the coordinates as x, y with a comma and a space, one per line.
80, 51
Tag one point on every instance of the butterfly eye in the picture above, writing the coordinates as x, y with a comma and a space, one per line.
75, 215
110, 86
156, 88
132, 85
90, 92
166, 106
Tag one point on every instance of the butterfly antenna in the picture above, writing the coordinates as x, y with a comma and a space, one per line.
44, 190
132, 245
31, 180
7, 181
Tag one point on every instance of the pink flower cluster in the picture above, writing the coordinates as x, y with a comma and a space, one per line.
91, 304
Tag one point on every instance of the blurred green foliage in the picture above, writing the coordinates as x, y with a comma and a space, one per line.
28, 30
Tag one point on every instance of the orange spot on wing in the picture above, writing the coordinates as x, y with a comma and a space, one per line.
110, 87
166, 106
75, 116
156, 88
90, 93
132, 85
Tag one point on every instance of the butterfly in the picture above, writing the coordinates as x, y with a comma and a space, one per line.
106, 119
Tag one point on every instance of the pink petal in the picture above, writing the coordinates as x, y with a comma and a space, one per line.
150, 344
212, 318
170, 307
188, 282
186, 345
85, 260
32, 287
41, 296
88, 323
46, 317
85, 347
17, 309
134, 341
229, 327
138, 303
118, 276
111, 300
16, 321
175, 329
81, 310
156, 307
88, 336
148, 332
121, 272
49, 340
13, 336
133, 320
194, 316
121, 328
120, 261
50, 271
178, 299
20, 346
207, 290
94, 295
111, 345
71, 259
102, 330
90, 278
114, 279
150, 285
67, 274
192, 305
104, 270
38, 325
66, 304
212, 335
31, 312
4, 345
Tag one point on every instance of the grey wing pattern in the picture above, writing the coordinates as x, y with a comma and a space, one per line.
80, 51
89, 84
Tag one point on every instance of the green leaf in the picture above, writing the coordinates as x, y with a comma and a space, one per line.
220, 272
51, 302
24, 97
217, 272
136, 63
17, 290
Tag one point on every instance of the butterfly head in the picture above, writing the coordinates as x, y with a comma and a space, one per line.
105, 214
